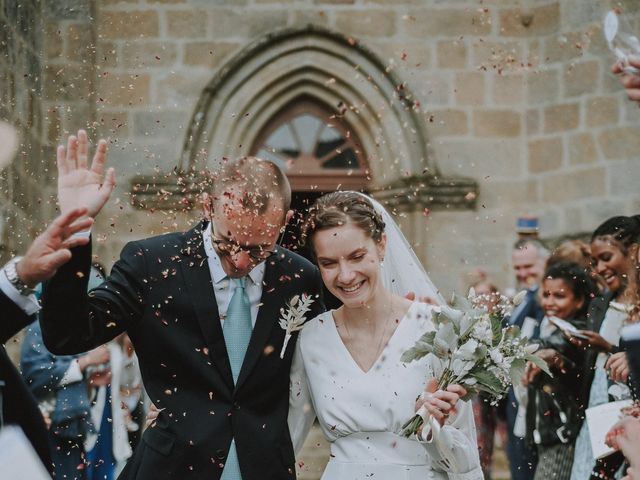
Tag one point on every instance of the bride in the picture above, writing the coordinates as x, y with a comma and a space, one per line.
347, 370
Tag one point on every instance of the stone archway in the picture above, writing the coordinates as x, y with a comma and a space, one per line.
276, 69
313, 62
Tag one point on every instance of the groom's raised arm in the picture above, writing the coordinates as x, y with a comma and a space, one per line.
73, 321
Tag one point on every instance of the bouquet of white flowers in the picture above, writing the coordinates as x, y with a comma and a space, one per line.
470, 347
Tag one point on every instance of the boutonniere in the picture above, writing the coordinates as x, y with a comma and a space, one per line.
292, 319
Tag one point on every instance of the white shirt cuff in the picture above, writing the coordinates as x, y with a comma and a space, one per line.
72, 375
27, 303
85, 234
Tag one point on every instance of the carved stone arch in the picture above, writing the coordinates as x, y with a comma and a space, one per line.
314, 62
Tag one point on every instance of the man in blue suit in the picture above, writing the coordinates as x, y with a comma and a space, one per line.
529, 258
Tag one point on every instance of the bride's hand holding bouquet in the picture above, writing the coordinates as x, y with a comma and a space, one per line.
440, 404
469, 352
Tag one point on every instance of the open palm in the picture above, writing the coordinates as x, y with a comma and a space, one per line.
79, 185
51, 249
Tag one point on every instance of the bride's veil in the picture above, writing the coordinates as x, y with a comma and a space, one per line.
402, 272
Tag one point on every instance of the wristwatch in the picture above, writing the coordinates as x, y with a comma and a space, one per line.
12, 275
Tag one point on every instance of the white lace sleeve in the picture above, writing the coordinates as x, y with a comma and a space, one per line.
301, 411
454, 448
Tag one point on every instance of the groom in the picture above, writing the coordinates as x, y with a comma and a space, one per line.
202, 310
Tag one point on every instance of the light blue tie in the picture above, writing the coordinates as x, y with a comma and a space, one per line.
237, 333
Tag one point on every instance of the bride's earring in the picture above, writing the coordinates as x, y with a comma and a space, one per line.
382, 262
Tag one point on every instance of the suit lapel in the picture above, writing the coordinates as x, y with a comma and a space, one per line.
195, 269
273, 291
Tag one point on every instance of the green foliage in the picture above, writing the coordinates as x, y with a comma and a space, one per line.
538, 362
423, 347
516, 371
489, 381
496, 328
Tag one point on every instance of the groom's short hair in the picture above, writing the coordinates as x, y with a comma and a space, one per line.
261, 182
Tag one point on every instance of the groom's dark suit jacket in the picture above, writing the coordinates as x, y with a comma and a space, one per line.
160, 292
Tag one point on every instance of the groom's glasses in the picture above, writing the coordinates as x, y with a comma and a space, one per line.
228, 247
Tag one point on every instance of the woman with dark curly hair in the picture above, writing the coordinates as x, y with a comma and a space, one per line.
554, 407
614, 248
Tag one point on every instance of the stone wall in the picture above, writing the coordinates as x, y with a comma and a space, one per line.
21, 184
514, 94
46, 82
542, 124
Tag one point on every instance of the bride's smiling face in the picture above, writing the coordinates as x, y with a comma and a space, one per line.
349, 261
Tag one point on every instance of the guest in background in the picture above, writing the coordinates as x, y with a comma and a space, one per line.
614, 248
528, 258
108, 448
574, 251
553, 408
62, 385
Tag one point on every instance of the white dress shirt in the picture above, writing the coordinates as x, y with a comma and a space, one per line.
27, 303
223, 287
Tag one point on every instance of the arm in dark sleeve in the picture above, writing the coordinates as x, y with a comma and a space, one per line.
75, 321
632, 349
13, 318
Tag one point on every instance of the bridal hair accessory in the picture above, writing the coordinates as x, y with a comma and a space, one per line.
292, 320
469, 347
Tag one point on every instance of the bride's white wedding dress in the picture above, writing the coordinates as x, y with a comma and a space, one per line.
361, 413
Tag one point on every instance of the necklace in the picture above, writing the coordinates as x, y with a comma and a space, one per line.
381, 345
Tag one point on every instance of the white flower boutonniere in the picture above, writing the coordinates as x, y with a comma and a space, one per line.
294, 317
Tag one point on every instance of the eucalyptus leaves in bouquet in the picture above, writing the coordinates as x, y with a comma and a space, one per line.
470, 347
